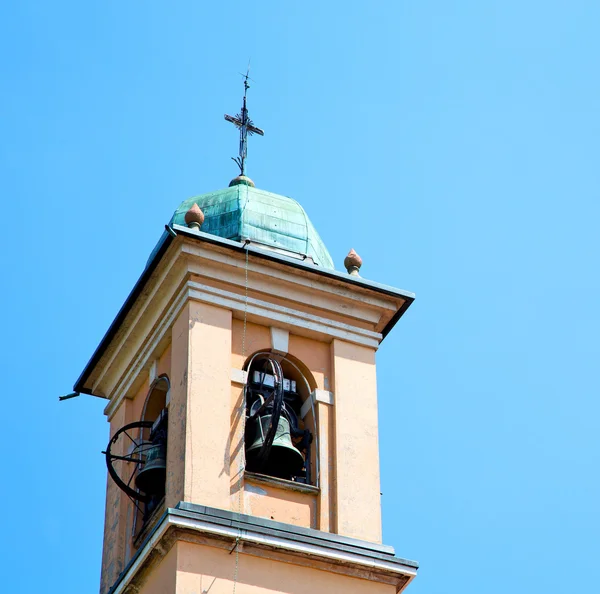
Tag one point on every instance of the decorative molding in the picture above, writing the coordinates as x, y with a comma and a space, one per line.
295, 318
324, 396
145, 352
333, 287
359, 304
238, 376
280, 340
340, 557
302, 322
225, 267
316, 396
280, 483
153, 371
170, 268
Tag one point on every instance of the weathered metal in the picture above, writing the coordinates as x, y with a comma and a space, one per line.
284, 460
272, 422
243, 212
245, 125
130, 433
151, 478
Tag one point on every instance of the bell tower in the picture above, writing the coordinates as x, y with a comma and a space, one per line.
241, 395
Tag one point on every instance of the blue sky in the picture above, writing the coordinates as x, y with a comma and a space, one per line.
454, 145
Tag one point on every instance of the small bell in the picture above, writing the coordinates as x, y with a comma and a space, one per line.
152, 476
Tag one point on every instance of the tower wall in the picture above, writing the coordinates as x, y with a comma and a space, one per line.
207, 313
200, 568
200, 407
358, 497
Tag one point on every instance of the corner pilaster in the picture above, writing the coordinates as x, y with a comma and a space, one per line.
200, 407
357, 490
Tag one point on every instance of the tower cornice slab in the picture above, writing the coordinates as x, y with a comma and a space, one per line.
268, 539
250, 281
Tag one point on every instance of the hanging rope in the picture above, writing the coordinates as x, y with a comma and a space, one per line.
242, 454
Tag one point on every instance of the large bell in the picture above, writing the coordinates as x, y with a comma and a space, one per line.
152, 476
284, 459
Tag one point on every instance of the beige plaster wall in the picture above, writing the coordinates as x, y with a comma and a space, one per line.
202, 568
198, 464
163, 577
206, 433
315, 355
357, 488
116, 513
258, 338
164, 363
349, 499
282, 504
137, 402
205, 447
327, 503
119, 543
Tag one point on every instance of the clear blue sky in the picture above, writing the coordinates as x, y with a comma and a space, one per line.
454, 145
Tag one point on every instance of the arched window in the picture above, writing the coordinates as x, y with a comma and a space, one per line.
279, 430
156, 401
136, 457
151, 477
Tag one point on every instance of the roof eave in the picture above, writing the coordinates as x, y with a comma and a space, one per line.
163, 244
263, 253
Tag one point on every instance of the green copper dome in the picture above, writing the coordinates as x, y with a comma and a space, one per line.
242, 211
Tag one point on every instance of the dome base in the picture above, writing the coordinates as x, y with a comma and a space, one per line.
241, 180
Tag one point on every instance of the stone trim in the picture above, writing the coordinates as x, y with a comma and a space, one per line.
273, 481
298, 545
238, 376
316, 396
237, 303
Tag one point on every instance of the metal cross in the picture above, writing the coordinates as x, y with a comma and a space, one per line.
245, 125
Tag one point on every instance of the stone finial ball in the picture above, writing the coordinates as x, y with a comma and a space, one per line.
194, 216
352, 262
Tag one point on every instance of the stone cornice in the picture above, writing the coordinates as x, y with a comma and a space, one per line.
265, 538
299, 322
317, 305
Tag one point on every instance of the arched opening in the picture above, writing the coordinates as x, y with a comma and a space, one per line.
156, 400
136, 458
151, 476
281, 430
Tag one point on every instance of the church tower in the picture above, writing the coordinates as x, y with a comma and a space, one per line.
242, 401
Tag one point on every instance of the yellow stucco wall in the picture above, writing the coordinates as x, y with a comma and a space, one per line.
199, 411
357, 488
280, 503
162, 579
114, 553
207, 569
205, 446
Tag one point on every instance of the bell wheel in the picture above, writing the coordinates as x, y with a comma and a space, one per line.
125, 457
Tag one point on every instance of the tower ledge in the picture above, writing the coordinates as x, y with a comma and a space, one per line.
163, 274
304, 547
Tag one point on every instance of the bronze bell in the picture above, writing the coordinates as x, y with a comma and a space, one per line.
152, 476
284, 459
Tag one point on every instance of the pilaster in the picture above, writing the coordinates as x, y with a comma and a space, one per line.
200, 408
358, 505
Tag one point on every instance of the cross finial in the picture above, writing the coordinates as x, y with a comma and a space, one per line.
245, 125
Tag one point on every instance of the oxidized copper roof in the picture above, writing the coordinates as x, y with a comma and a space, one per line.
242, 212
